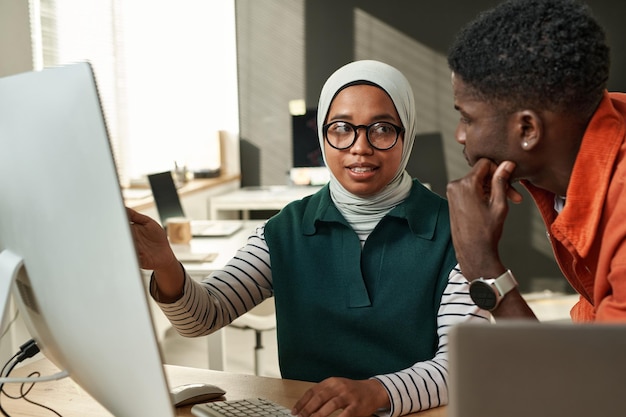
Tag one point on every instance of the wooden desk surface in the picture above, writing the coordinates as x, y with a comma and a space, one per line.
191, 187
70, 400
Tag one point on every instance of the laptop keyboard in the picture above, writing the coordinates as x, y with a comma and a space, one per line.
243, 408
210, 228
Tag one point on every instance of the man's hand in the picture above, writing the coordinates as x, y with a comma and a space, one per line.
478, 208
355, 398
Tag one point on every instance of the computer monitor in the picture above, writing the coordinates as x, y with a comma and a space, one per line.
65, 242
305, 143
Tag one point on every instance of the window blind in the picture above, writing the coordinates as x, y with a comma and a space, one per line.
78, 30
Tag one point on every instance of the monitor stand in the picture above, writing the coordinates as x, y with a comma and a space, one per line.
10, 265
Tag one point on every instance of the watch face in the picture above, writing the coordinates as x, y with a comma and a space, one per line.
483, 295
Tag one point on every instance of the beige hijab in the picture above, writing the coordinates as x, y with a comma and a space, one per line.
364, 213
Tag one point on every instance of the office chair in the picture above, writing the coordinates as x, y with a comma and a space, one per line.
260, 319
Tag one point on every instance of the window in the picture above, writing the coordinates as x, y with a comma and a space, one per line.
166, 73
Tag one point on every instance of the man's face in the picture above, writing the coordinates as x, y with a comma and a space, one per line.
482, 128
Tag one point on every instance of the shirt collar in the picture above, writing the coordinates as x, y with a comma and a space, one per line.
421, 209
590, 178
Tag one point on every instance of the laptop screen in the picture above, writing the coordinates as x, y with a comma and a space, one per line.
165, 196
521, 369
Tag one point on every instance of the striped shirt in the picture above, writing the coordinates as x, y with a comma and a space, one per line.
247, 280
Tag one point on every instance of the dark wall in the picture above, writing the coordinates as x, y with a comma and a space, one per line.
329, 31
329, 41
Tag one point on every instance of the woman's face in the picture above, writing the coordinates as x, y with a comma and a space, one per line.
362, 169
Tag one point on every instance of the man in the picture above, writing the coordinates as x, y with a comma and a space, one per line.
529, 80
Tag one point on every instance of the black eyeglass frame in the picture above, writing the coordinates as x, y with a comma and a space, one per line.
397, 128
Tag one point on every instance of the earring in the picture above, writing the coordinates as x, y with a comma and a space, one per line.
525, 144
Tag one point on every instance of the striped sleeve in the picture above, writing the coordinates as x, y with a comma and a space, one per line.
424, 385
245, 281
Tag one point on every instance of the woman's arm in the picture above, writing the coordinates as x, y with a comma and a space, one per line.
424, 385
207, 306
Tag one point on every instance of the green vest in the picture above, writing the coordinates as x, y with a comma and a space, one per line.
342, 311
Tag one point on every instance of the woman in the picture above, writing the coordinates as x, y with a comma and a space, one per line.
363, 272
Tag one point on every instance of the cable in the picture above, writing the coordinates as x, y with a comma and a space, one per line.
24, 392
25, 380
27, 350
8, 362
12, 362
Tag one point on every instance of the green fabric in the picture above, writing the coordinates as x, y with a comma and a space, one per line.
351, 313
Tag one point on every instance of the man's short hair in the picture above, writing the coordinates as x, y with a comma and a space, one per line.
544, 54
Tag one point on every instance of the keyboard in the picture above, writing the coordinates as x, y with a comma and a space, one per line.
248, 407
211, 228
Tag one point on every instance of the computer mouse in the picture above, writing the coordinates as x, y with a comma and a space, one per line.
194, 393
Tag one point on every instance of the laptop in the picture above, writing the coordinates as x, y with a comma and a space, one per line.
521, 369
168, 205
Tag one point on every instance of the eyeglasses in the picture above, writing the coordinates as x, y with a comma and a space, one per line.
380, 135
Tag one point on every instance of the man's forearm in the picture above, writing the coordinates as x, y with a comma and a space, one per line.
513, 306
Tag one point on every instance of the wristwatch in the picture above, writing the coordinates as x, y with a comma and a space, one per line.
487, 293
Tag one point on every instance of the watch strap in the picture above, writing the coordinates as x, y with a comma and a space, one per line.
505, 283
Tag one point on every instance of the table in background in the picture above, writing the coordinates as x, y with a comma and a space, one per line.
225, 247
246, 199
67, 398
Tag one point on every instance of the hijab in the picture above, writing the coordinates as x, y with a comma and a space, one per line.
364, 213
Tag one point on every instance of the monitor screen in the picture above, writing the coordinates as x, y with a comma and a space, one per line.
65, 242
305, 143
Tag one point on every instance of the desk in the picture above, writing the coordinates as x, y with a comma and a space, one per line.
224, 246
273, 197
141, 198
71, 401
194, 196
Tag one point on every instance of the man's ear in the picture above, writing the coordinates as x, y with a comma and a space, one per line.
529, 126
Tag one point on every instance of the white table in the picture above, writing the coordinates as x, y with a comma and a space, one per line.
273, 197
225, 247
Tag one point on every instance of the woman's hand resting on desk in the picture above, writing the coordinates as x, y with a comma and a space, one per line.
356, 398
155, 253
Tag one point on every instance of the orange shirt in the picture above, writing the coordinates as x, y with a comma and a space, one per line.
589, 235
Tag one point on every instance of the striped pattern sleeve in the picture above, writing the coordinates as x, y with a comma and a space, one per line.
247, 280
424, 385
224, 295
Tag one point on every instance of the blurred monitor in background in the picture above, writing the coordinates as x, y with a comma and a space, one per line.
305, 143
